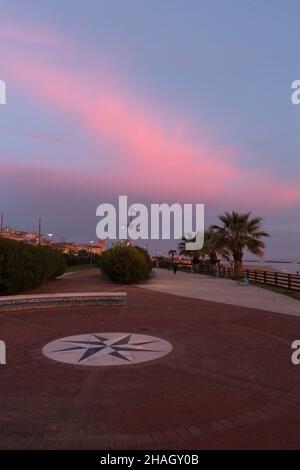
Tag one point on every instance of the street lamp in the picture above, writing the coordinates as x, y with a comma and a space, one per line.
133, 211
91, 243
50, 235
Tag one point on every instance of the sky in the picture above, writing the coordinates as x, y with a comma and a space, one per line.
160, 100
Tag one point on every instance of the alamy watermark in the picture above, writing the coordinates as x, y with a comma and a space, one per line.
164, 222
295, 358
2, 352
2, 92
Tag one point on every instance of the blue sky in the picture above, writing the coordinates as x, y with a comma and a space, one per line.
207, 81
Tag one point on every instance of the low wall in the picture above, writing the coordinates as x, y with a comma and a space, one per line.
38, 301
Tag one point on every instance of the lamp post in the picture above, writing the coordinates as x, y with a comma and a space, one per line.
50, 235
91, 243
40, 231
133, 212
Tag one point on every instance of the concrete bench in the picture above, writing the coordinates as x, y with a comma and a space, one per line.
78, 299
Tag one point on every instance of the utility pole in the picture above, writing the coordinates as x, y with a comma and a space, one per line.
40, 230
2, 221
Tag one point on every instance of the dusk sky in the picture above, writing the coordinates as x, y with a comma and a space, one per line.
161, 100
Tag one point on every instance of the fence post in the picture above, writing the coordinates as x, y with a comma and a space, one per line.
289, 281
276, 279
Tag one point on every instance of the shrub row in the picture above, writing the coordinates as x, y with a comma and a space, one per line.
126, 264
25, 266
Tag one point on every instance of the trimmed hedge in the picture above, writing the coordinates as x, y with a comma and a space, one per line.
126, 264
25, 266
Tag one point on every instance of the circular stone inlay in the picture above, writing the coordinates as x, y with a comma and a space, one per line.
107, 349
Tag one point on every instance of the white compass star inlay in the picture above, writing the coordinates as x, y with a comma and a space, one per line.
107, 349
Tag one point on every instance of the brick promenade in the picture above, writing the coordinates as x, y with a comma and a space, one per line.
228, 383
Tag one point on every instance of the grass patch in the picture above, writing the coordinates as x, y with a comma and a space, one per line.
280, 290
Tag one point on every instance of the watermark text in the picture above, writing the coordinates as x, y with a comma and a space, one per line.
164, 222
2, 352
296, 354
2, 92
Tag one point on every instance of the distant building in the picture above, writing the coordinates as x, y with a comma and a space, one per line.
75, 248
32, 238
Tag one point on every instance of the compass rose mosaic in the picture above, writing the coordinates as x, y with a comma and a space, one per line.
107, 349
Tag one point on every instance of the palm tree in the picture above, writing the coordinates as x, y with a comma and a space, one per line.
240, 232
213, 247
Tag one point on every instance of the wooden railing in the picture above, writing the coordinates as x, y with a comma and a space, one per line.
273, 278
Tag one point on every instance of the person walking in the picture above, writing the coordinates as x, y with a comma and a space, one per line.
175, 267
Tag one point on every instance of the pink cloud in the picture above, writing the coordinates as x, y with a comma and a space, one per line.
154, 151
28, 180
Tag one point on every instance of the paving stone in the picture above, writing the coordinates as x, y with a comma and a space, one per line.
184, 434
195, 431
172, 402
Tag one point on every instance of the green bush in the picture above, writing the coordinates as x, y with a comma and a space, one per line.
126, 264
25, 266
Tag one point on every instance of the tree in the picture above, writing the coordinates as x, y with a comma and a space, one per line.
214, 246
240, 232
125, 263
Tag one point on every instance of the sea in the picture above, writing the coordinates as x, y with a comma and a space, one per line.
282, 265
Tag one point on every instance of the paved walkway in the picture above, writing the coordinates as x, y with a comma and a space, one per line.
228, 382
89, 280
226, 291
